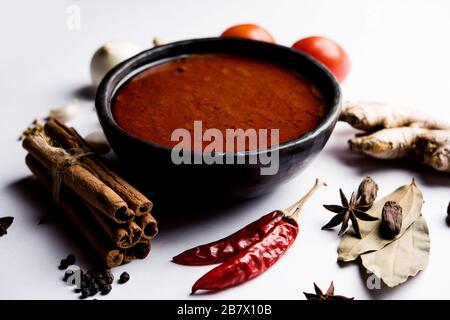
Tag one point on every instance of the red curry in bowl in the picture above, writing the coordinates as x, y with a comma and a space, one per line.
223, 91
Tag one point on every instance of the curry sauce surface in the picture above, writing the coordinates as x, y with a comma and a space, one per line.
223, 91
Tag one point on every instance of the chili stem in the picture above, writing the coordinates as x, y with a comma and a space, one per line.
299, 204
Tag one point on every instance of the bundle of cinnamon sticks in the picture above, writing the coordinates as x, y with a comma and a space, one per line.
113, 216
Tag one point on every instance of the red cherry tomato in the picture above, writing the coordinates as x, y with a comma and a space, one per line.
328, 52
248, 31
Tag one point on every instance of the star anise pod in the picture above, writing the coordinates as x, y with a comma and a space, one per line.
349, 210
5, 222
329, 295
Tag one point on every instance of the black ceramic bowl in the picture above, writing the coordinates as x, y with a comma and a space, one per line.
153, 163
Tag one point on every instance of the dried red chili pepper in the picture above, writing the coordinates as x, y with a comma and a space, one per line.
260, 256
251, 262
220, 250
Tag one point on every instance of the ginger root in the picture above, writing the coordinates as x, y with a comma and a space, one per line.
392, 143
431, 147
397, 132
372, 116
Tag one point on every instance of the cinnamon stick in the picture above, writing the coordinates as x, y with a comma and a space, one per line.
123, 235
78, 178
135, 232
78, 214
149, 226
139, 251
70, 139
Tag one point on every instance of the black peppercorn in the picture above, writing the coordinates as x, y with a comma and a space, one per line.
124, 277
83, 284
85, 293
87, 277
93, 291
70, 259
106, 289
108, 276
5, 223
92, 282
63, 264
98, 276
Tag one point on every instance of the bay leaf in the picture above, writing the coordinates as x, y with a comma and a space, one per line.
409, 197
402, 258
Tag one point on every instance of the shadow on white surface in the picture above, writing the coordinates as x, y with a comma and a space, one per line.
52, 221
365, 165
385, 292
86, 92
173, 215
174, 212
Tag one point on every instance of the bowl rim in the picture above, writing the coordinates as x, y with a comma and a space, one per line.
113, 78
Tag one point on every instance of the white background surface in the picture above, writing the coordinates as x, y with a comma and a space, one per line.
399, 52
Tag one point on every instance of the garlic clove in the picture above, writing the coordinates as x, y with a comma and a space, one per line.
108, 56
98, 142
65, 113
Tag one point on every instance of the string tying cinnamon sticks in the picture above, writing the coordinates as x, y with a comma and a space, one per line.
70, 139
111, 214
78, 178
61, 167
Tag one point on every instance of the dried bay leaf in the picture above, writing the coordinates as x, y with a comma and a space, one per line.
402, 258
409, 197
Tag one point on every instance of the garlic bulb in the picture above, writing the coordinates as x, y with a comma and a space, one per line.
98, 142
108, 56
65, 113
